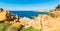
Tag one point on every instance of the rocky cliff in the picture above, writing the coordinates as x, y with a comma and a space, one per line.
11, 22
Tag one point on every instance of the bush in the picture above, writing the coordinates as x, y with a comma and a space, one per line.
29, 29
3, 26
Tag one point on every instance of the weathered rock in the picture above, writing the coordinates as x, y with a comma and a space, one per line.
47, 23
14, 17
37, 23
55, 14
57, 8
26, 22
50, 23
1, 9
41, 22
8, 15
3, 16
16, 24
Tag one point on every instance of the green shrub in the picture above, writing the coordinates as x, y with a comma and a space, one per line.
10, 28
29, 29
3, 26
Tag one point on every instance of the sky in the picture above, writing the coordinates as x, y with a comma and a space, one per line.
29, 4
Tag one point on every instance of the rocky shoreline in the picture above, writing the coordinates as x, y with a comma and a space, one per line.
11, 22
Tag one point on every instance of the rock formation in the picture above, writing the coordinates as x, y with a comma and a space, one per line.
58, 7
11, 22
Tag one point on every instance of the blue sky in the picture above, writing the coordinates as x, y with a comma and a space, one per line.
29, 4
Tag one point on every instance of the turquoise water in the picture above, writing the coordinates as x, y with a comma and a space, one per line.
27, 13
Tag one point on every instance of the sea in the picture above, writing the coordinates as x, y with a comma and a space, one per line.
28, 14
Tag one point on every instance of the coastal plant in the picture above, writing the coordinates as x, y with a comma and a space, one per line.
3, 26
29, 29
10, 28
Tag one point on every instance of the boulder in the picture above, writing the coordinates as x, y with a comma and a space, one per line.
1, 9
3, 16
55, 14
36, 24
14, 17
26, 22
